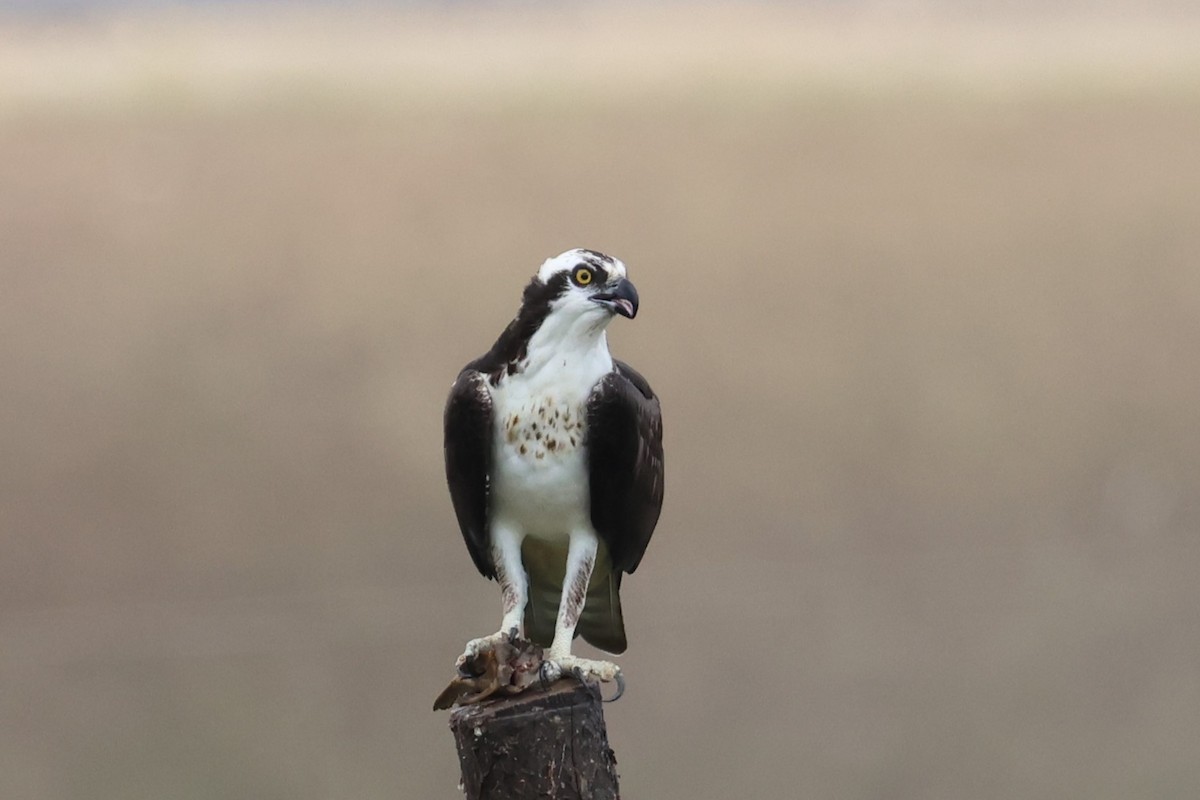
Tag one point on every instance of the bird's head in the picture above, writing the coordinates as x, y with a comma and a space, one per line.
566, 306
584, 285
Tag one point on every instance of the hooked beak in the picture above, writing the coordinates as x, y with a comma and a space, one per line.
621, 299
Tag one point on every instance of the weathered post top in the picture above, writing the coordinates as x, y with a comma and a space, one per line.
537, 744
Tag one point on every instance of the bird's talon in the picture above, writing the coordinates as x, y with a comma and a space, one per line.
620, 679
548, 673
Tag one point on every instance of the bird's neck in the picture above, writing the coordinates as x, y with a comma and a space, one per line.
577, 344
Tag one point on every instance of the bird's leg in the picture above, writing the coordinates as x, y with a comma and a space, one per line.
581, 558
514, 592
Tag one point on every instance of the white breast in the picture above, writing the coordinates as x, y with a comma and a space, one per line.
539, 479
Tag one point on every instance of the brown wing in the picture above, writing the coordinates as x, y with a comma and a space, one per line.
625, 460
468, 450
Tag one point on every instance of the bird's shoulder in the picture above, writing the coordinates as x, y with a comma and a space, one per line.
624, 386
635, 378
470, 387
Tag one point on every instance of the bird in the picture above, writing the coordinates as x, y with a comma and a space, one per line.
554, 462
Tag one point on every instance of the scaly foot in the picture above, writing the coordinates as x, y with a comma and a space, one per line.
583, 669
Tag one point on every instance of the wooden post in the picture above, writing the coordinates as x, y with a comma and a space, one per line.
537, 744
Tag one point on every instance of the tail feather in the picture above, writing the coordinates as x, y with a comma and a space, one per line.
541, 612
600, 624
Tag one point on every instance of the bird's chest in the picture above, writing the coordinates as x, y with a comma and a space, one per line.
540, 477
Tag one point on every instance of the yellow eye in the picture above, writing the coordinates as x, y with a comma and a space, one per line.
583, 276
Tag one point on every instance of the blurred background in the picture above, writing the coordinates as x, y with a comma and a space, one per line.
920, 295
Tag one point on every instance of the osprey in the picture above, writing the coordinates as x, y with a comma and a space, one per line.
555, 464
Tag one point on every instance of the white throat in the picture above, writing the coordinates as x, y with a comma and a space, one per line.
569, 349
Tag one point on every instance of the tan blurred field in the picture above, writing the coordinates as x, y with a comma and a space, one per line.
920, 294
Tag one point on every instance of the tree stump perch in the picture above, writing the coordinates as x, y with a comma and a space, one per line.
537, 744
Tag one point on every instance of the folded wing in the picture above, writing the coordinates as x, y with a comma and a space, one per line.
468, 450
625, 456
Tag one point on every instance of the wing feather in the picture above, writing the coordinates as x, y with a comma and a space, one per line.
468, 450
625, 460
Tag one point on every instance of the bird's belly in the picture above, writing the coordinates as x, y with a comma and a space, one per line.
540, 480
547, 501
